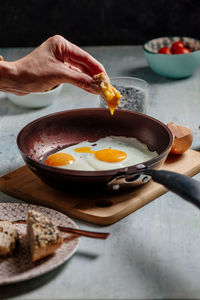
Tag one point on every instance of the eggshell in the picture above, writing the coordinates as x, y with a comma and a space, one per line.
183, 138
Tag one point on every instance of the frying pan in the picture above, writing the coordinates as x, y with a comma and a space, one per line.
52, 132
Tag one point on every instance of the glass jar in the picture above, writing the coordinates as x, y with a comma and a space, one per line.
134, 93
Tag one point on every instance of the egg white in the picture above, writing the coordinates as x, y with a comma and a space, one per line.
135, 150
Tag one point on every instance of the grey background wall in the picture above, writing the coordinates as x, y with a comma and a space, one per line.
96, 22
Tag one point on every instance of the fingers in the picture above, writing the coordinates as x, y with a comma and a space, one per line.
81, 58
65, 51
80, 65
67, 65
80, 79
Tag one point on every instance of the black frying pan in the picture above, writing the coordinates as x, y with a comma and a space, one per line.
66, 128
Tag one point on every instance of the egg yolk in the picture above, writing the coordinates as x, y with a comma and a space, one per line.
84, 150
59, 159
112, 97
110, 155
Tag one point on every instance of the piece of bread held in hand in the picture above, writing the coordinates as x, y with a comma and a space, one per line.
108, 92
43, 236
8, 238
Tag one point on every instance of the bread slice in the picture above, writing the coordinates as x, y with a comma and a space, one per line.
108, 92
8, 238
43, 236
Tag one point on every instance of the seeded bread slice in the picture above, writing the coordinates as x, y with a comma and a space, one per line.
43, 236
8, 238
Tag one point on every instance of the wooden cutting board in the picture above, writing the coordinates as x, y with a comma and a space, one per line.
102, 209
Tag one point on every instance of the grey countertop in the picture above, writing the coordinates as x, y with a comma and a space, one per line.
152, 253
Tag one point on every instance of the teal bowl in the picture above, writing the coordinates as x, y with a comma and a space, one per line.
172, 65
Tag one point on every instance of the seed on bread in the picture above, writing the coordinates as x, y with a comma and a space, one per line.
43, 236
8, 238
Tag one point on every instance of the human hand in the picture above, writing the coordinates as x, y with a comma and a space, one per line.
54, 62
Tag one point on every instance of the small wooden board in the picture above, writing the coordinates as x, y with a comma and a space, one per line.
102, 209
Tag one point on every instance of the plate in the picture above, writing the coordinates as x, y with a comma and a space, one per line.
19, 267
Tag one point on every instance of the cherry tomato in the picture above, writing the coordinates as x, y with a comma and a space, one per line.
182, 51
177, 45
165, 50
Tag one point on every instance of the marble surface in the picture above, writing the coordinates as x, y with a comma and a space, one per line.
152, 253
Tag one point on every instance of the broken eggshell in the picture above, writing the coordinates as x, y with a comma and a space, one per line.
183, 138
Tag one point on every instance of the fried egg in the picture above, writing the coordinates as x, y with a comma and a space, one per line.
107, 153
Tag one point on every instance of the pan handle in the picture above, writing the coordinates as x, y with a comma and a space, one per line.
184, 186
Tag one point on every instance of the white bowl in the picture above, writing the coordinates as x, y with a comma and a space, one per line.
35, 100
